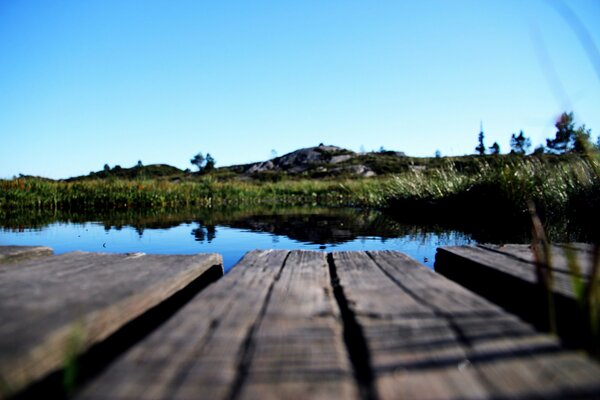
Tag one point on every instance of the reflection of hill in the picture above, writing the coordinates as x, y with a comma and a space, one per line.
304, 224
308, 225
333, 226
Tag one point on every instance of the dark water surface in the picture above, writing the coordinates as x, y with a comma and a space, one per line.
230, 233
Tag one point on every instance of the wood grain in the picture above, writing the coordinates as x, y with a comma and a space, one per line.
430, 338
198, 352
268, 329
298, 350
13, 254
506, 275
62, 305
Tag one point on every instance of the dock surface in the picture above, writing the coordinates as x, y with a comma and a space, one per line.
506, 275
305, 324
54, 308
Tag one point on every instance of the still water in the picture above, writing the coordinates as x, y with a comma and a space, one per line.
231, 233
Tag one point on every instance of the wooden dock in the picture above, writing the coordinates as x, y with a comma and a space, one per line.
280, 324
506, 275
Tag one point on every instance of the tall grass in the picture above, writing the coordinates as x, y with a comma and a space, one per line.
504, 186
22, 194
554, 185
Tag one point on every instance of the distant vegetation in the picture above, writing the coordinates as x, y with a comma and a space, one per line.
566, 182
558, 184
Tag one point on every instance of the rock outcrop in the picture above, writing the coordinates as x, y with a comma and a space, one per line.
304, 159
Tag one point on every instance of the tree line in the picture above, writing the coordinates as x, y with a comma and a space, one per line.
568, 139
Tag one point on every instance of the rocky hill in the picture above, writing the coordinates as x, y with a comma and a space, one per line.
311, 162
319, 160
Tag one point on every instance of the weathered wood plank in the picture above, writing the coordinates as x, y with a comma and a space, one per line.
64, 304
198, 352
506, 275
268, 329
298, 350
452, 343
405, 337
516, 265
583, 253
11, 254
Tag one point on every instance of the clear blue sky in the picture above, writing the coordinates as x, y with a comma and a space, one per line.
84, 83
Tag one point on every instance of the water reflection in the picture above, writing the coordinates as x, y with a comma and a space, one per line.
230, 232
202, 233
310, 225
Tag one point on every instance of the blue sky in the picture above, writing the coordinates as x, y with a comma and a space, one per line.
84, 83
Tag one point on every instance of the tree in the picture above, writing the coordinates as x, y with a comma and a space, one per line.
210, 163
581, 140
519, 144
565, 135
139, 164
198, 160
480, 147
106, 168
438, 154
539, 150
495, 149
569, 139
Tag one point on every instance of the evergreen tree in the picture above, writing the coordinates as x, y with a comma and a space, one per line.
539, 150
198, 161
569, 139
565, 135
495, 149
480, 149
210, 163
581, 140
519, 144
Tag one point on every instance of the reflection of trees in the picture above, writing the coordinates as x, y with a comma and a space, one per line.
211, 233
201, 233
306, 224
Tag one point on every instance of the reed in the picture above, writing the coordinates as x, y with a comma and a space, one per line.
556, 185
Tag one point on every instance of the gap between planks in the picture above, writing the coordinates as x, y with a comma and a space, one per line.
271, 328
56, 308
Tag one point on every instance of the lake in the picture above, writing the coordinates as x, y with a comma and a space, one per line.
230, 233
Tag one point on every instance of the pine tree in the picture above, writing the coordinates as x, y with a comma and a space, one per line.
519, 144
495, 149
565, 135
480, 149
198, 161
210, 163
581, 140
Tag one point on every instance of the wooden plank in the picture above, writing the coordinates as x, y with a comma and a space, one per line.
197, 352
451, 343
506, 275
405, 338
64, 304
298, 350
514, 265
12, 254
268, 329
583, 253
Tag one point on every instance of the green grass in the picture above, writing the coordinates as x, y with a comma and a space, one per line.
503, 185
